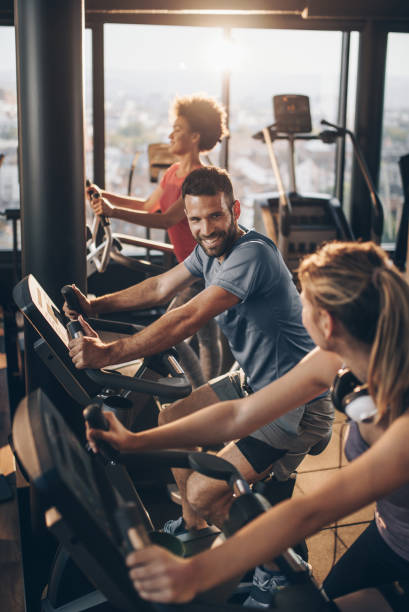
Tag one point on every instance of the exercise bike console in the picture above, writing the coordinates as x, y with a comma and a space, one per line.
83, 385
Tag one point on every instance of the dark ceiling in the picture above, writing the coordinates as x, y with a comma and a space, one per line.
353, 11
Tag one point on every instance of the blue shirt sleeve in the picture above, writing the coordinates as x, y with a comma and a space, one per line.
250, 268
194, 263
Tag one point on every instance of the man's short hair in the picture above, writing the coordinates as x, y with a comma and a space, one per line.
208, 181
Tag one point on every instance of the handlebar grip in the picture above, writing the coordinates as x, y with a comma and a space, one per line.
71, 298
74, 329
134, 535
104, 219
95, 418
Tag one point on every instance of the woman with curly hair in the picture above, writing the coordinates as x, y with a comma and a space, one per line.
199, 123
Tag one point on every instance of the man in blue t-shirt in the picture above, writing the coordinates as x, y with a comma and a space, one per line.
250, 292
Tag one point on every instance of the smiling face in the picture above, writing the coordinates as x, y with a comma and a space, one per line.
182, 139
213, 222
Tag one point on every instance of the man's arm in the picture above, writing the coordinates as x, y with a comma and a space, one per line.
173, 327
153, 291
235, 418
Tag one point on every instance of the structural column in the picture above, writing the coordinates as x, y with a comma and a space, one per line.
368, 121
49, 39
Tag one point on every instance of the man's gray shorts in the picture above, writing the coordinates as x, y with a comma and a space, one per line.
262, 448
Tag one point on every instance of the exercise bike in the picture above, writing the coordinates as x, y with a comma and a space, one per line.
97, 527
103, 246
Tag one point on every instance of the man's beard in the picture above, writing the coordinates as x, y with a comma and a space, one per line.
224, 243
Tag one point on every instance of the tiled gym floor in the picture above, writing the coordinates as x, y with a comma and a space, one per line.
329, 544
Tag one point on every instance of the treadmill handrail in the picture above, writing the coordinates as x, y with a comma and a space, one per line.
284, 208
377, 218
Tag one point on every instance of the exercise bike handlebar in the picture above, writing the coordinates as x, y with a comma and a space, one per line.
96, 195
107, 325
247, 506
216, 467
71, 298
170, 388
94, 417
207, 464
99, 254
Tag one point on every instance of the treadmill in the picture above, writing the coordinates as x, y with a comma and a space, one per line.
299, 223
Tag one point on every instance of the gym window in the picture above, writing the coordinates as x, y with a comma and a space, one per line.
395, 137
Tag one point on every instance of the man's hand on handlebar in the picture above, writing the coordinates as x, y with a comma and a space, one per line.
84, 302
101, 206
160, 576
117, 436
89, 351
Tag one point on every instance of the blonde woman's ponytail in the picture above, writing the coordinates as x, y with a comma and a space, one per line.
389, 361
359, 286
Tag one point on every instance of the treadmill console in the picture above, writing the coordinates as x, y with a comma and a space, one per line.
292, 113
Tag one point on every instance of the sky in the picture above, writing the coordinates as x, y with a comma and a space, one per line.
131, 45
186, 53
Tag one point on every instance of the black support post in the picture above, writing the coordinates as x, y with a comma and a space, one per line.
49, 39
98, 101
368, 121
51, 164
49, 44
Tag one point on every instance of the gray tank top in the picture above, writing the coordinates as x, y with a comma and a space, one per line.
392, 511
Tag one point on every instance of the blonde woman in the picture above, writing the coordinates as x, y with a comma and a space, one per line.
356, 309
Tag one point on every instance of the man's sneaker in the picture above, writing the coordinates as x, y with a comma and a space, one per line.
175, 526
266, 583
